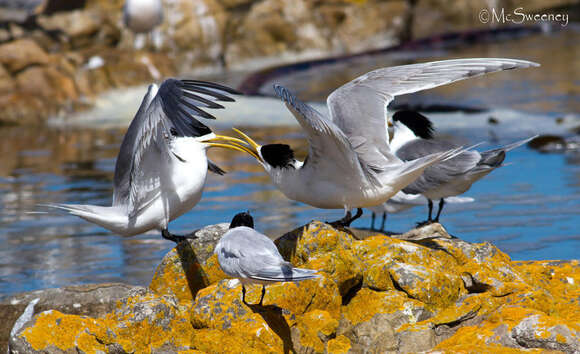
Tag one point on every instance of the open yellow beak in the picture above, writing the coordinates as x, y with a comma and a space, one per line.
232, 143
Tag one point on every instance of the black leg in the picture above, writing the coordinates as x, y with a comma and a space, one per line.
171, 237
383, 221
358, 214
342, 222
244, 295
348, 218
373, 221
263, 293
429, 219
441, 204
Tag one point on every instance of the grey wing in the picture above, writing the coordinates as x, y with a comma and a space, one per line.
250, 251
327, 143
358, 107
163, 114
441, 172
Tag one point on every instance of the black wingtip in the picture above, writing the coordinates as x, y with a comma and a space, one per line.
213, 85
242, 219
418, 123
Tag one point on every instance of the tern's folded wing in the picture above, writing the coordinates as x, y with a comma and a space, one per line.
441, 172
165, 113
358, 107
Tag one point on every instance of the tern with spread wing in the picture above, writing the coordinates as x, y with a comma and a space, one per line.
349, 163
412, 138
253, 258
162, 165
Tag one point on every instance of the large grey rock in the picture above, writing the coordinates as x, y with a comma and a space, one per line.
89, 300
531, 333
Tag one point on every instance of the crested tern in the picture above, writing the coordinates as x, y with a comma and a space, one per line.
162, 165
349, 163
413, 138
253, 258
403, 201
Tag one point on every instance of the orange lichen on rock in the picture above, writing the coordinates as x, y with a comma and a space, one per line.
54, 330
432, 292
181, 274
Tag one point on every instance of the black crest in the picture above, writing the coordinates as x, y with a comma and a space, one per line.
242, 219
418, 123
278, 155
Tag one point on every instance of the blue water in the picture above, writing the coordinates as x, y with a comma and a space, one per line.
529, 208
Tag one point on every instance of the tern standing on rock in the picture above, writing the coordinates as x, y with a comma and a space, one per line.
162, 164
349, 163
253, 258
412, 138
402, 201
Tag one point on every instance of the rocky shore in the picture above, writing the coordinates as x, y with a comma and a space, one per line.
57, 56
421, 291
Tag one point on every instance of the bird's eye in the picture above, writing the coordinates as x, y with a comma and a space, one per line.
173, 131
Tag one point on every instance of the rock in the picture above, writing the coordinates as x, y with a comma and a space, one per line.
21, 53
313, 331
516, 327
6, 81
79, 26
48, 83
319, 246
370, 319
88, 300
190, 266
141, 322
418, 339
377, 294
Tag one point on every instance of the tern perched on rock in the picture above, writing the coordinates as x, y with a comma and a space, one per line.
402, 201
253, 258
162, 164
349, 163
413, 138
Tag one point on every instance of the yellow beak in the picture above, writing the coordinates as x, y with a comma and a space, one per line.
232, 143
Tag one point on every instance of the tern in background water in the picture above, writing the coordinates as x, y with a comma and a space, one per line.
402, 201
349, 163
253, 258
162, 165
412, 138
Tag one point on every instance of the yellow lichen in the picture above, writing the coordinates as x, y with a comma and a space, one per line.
338, 345
53, 328
314, 324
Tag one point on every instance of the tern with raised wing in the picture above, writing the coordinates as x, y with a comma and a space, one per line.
349, 163
253, 258
413, 138
162, 165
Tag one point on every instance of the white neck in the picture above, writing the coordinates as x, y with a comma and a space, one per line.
402, 135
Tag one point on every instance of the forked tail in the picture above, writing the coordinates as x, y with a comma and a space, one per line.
110, 218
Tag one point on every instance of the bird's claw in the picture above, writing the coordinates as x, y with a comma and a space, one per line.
425, 223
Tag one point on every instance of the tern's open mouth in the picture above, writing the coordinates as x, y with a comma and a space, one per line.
248, 145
